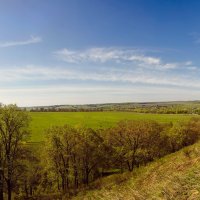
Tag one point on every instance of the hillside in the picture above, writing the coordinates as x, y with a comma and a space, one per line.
175, 177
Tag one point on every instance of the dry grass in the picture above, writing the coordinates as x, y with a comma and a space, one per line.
174, 177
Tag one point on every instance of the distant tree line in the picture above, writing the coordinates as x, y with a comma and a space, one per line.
66, 110
174, 109
71, 158
168, 109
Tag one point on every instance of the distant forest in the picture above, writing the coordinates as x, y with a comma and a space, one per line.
188, 107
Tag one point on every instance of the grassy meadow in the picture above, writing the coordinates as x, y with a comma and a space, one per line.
43, 120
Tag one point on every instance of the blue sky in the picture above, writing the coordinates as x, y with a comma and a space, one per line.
99, 51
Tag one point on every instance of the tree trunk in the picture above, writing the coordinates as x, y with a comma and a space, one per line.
9, 186
9, 190
87, 177
75, 173
129, 167
58, 183
121, 167
75, 178
26, 189
1, 183
31, 190
63, 184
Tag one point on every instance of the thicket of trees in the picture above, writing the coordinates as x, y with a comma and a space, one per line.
79, 156
71, 158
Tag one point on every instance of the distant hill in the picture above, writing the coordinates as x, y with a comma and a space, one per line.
114, 105
168, 107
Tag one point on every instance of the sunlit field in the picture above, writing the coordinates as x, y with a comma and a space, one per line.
42, 121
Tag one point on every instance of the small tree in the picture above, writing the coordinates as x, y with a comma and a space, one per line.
125, 139
61, 148
91, 152
13, 131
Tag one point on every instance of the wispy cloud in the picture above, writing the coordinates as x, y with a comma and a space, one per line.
91, 55
31, 40
145, 59
120, 76
116, 55
104, 55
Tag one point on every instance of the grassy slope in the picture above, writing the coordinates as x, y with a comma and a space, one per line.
42, 120
174, 177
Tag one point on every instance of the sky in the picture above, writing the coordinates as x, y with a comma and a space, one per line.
99, 51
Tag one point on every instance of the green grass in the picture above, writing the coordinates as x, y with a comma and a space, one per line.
43, 120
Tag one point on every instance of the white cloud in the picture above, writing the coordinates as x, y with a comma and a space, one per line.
31, 40
104, 55
145, 59
121, 56
188, 63
93, 54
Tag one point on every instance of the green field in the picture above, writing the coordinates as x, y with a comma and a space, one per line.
43, 120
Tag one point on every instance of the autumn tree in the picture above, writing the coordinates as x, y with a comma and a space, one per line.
125, 138
75, 155
91, 153
62, 149
183, 134
152, 142
133, 141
